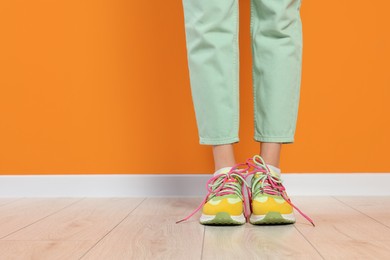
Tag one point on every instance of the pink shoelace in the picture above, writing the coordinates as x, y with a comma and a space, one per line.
219, 181
269, 184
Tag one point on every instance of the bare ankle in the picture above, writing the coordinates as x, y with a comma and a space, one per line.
223, 156
270, 152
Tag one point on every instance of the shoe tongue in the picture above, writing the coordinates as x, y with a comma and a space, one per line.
223, 170
274, 172
226, 170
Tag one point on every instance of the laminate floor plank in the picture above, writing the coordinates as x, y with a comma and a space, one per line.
5, 201
88, 219
256, 242
18, 214
377, 207
145, 228
70, 232
43, 249
150, 232
342, 232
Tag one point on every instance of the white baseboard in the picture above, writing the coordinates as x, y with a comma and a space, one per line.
152, 185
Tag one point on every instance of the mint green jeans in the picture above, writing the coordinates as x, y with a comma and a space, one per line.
212, 44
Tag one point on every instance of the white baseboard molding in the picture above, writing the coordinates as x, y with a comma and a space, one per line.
152, 185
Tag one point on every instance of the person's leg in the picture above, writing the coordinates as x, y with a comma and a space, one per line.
223, 156
270, 152
211, 29
276, 35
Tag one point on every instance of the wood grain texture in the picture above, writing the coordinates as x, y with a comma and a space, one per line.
4, 201
150, 232
21, 213
256, 242
88, 219
342, 232
66, 234
145, 228
375, 207
43, 250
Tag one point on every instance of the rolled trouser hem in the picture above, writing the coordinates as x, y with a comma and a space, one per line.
274, 139
218, 141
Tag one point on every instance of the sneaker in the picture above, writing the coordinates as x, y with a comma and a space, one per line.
269, 202
225, 202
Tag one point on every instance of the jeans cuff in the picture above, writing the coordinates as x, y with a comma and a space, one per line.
218, 141
274, 139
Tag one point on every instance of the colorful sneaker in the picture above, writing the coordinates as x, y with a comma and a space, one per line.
269, 202
225, 202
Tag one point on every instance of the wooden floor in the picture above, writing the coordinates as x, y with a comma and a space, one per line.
145, 228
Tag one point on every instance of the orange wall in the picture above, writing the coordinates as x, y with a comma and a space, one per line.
103, 87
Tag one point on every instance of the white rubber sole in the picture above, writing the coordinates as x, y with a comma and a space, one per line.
272, 217
222, 218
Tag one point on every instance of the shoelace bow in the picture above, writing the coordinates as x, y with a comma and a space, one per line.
267, 183
224, 184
